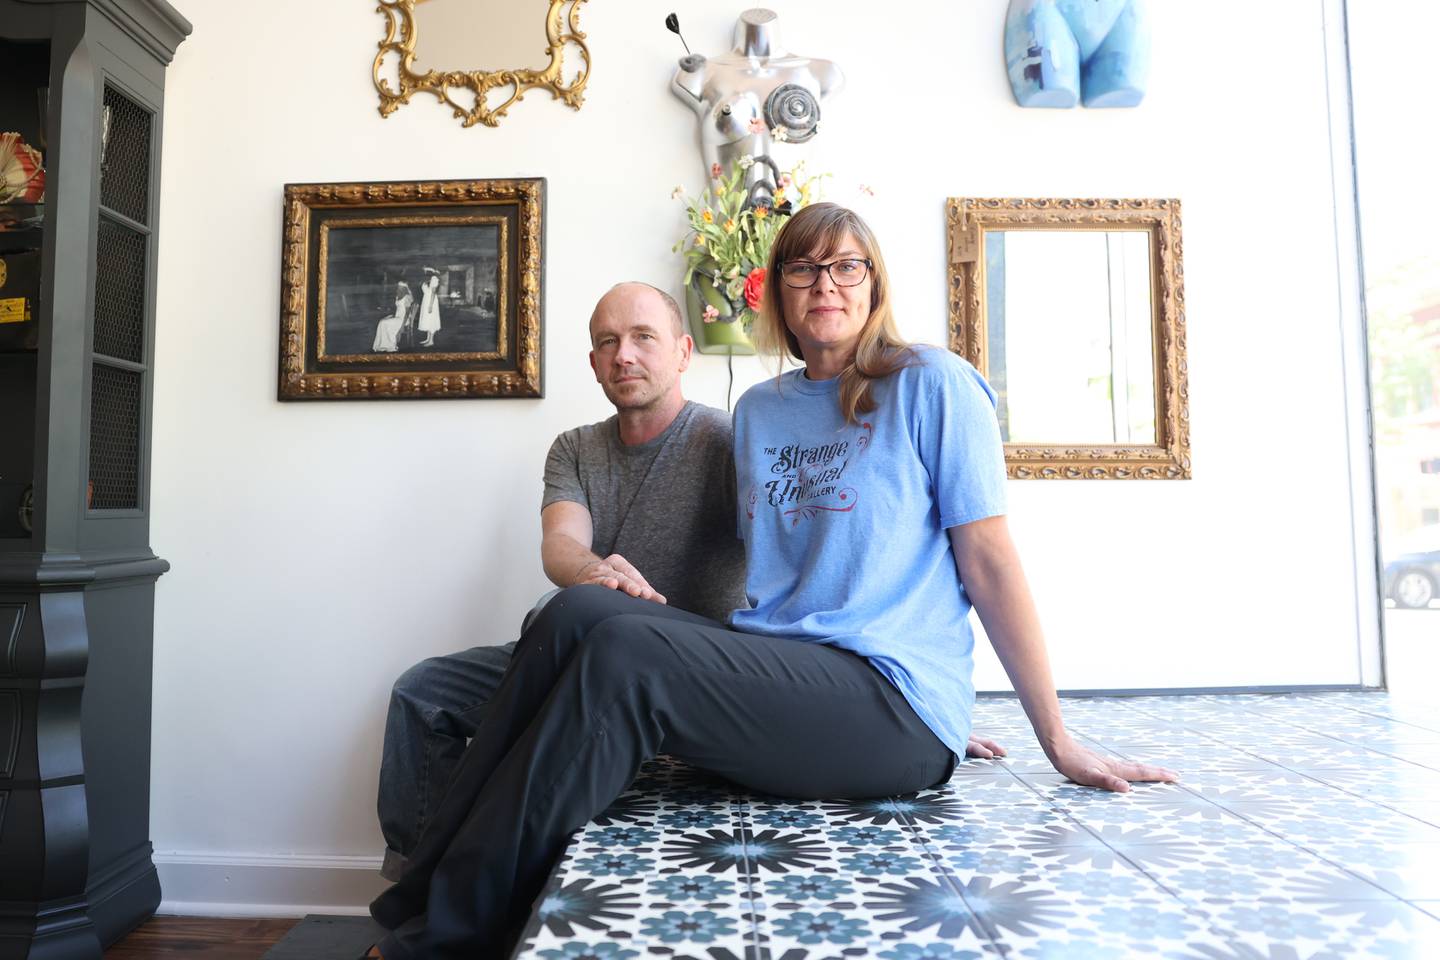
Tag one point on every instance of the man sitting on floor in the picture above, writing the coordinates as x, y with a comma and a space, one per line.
642, 502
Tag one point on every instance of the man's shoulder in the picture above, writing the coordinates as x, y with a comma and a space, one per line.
706, 431
708, 420
598, 432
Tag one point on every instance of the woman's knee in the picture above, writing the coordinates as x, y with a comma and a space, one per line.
625, 649
577, 608
567, 619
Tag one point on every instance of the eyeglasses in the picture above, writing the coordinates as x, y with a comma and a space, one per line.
843, 273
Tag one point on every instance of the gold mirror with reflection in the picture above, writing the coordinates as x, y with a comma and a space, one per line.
1073, 310
480, 56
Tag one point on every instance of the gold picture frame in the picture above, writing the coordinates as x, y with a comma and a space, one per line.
416, 290
968, 219
562, 29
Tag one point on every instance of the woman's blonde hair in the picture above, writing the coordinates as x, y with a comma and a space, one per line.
817, 232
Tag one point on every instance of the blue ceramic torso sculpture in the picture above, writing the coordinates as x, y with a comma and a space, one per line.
1060, 52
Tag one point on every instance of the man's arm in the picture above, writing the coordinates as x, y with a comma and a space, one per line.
566, 535
989, 568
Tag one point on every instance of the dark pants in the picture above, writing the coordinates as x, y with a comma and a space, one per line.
602, 682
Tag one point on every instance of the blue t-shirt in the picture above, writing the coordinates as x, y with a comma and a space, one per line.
844, 524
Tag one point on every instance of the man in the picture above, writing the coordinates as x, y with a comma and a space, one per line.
642, 502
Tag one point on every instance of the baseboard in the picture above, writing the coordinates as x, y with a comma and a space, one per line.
123, 894
241, 885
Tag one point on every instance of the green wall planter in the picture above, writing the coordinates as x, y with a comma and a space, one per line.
724, 336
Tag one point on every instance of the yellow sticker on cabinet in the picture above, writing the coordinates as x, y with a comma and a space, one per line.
13, 310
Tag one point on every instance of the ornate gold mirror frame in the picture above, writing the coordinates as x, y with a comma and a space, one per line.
968, 219
562, 28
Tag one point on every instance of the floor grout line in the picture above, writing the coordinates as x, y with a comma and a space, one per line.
740, 810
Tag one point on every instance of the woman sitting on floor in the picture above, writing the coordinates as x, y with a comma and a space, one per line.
872, 507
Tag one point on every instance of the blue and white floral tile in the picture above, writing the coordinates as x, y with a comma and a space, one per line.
872, 914
1227, 829
1300, 826
1385, 930
1403, 790
1353, 854
992, 827
1316, 824
1100, 906
994, 791
1272, 781
1427, 811
1415, 877
853, 900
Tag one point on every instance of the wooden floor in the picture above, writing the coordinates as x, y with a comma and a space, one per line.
201, 938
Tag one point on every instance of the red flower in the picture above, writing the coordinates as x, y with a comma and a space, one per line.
755, 287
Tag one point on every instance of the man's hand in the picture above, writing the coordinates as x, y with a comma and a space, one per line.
1088, 768
617, 573
983, 749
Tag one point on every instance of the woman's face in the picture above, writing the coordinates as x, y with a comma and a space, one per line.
826, 316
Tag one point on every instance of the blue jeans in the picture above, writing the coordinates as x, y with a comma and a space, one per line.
435, 708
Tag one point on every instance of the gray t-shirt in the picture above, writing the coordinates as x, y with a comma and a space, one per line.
667, 506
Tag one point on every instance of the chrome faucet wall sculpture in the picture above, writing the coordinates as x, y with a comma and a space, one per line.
753, 96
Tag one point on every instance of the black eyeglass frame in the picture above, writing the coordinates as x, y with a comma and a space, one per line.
869, 265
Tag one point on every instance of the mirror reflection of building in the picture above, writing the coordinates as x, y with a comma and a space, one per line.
1068, 321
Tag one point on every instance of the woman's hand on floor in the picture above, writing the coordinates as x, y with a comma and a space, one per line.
1088, 768
983, 749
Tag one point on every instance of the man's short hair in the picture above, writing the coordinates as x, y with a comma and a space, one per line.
671, 307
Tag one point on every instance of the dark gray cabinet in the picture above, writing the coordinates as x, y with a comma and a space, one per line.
77, 575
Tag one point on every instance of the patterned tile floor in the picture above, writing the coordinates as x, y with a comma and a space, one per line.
1307, 827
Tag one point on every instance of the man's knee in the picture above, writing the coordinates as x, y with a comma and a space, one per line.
417, 684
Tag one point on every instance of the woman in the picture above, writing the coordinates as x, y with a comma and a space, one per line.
872, 509
387, 331
429, 322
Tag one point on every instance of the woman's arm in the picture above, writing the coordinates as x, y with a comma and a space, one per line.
990, 569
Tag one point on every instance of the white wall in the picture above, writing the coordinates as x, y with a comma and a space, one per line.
320, 548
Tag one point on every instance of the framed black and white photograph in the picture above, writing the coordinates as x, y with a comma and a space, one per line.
412, 290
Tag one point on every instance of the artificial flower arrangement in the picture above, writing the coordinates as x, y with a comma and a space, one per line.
22, 173
729, 240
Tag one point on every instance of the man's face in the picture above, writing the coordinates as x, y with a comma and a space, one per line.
637, 356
